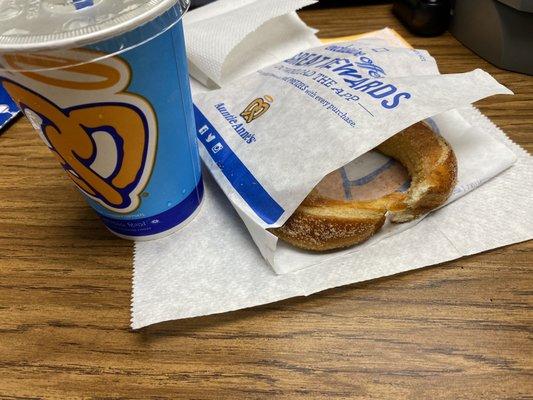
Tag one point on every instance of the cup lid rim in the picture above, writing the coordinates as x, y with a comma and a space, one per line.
89, 34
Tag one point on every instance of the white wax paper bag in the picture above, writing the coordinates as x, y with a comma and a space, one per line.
479, 158
321, 112
309, 126
228, 39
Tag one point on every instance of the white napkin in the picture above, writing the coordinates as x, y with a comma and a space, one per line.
213, 266
250, 34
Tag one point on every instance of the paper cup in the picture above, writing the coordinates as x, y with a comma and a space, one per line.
106, 86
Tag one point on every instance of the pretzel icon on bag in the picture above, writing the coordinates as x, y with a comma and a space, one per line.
256, 108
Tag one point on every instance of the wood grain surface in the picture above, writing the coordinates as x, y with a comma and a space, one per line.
460, 330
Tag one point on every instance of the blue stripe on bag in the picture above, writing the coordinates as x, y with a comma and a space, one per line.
236, 172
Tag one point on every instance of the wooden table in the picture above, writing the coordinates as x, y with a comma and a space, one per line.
458, 330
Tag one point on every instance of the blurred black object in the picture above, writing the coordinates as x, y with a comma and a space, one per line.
424, 17
320, 4
346, 3
199, 3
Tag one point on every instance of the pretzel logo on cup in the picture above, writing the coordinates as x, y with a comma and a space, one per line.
256, 108
104, 137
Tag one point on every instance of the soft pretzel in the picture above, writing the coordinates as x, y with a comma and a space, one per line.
321, 223
431, 164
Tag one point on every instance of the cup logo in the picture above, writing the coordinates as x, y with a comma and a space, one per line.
107, 144
256, 108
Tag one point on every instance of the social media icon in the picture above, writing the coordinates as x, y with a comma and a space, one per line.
203, 130
216, 148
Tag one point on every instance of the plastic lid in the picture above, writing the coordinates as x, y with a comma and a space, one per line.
35, 25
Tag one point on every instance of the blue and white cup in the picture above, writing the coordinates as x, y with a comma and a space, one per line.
106, 86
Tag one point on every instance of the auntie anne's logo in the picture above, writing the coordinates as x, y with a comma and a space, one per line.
256, 108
